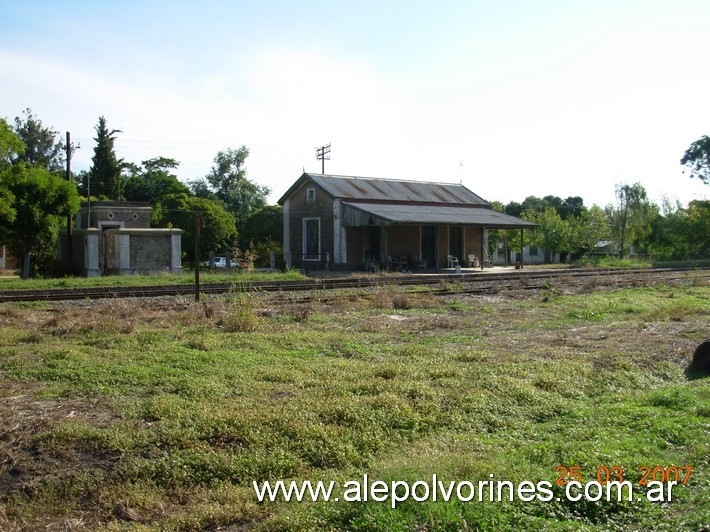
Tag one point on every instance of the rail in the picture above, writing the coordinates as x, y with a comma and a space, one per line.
470, 281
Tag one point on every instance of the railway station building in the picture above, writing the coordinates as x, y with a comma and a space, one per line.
334, 222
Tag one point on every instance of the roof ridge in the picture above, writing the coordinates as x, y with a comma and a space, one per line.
385, 179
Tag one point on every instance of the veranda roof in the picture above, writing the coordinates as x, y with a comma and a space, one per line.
362, 214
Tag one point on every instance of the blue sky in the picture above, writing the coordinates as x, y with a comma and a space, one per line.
511, 98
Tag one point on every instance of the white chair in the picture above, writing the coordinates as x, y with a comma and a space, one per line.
452, 261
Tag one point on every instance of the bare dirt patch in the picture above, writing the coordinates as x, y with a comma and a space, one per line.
25, 416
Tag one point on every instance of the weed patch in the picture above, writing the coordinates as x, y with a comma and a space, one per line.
126, 415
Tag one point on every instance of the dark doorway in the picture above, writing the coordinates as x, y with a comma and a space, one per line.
107, 250
429, 245
374, 244
456, 242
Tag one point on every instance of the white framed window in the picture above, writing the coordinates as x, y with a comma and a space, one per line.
311, 239
310, 195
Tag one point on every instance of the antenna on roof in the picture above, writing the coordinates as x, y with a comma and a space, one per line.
321, 155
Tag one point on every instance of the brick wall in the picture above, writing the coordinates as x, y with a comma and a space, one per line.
300, 208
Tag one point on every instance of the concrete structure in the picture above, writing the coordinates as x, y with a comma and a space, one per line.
7, 261
531, 255
347, 222
116, 238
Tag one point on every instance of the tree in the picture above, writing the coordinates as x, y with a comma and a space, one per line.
586, 230
219, 229
682, 233
697, 159
571, 207
533, 203
698, 228
153, 180
11, 146
551, 233
630, 204
43, 148
265, 224
41, 202
239, 195
201, 189
105, 173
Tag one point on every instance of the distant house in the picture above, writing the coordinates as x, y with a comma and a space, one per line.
347, 222
609, 248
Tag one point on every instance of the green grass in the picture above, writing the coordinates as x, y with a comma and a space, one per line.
123, 417
697, 263
614, 262
237, 277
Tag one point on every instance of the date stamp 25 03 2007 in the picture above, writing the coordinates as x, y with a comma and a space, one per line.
615, 473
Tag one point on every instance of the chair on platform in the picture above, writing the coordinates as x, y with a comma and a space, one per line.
452, 261
473, 261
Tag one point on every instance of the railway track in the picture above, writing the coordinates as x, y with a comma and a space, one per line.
478, 282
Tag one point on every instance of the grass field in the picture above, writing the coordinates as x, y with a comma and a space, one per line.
236, 277
135, 415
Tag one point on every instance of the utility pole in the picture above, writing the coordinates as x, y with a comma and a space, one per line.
198, 226
321, 155
70, 243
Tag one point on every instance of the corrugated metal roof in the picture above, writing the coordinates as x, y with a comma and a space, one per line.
376, 189
440, 214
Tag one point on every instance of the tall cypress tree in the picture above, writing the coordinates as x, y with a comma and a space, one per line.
105, 173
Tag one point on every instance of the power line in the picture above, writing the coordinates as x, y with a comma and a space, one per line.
321, 155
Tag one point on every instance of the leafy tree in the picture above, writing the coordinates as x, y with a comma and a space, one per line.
219, 229
681, 233
228, 178
629, 214
668, 231
201, 189
553, 201
697, 159
105, 173
262, 225
514, 209
43, 145
585, 230
551, 233
642, 226
533, 203
153, 180
41, 202
698, 231
11, 146
570, 207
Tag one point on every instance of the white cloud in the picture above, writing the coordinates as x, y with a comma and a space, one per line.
623, 110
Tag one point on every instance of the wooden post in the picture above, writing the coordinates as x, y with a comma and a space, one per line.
522, 247
70, 244
482, 257
198, 226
